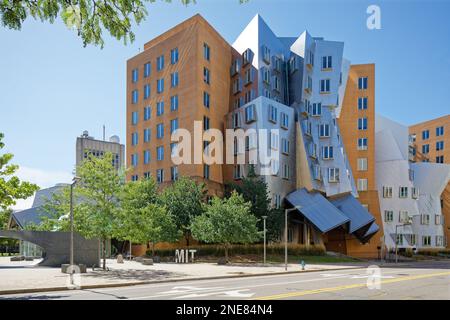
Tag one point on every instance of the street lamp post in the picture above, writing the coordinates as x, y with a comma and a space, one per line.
264, 221
74, 181
286, 211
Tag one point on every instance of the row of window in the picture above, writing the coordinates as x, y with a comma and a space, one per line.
174, 175
426, 240
333, 173
402, 192
174, 103
439, 132
439, 147
159, 132
174, 56
251, 116
174, 82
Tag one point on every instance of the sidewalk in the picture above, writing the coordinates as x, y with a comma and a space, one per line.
22, 277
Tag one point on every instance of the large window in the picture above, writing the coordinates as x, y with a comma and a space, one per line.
440, 159
362, 143
425, 148
273, 113
134, 96
146, 156
316, 109
425, 134
206, 51
134, 159
174, 173
426, 241
439, 131
174, 103
134, 118
160, 175
324, 85
362, 184
135, 75
362, 164
387, 192
147, 113
403, 192
439, 145
388, 215
206, 75
362, 103
284, 120
146, 91
327, 152
160, 63
174, 56
160, 108
160, 153
159, 130
147, 69
362, 124
134, 138
333, 174
362, 83
206, 99
173, 125
327, 62
147, 134
174, 79
250, 113
324, 130
285, 145
160, 85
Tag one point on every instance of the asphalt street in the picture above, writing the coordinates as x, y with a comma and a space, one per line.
418, 282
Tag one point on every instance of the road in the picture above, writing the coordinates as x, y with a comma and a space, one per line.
424, 282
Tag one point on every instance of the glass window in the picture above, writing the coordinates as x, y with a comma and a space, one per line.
362, 184
134, 96
159, 130
174, 56
206, 75
333, 174
285, 146
439, 145
273, 114
440, 159
362, 103
146, 91
425, 148
425, 134
206, 99
174, 103
160, 153
326, 62
250, 113
388, 215
134, 138
160, 85
160, 175
324, 130
160, 63
146, 156
325, 85
173, 125
205, 123
205, 171
134, 117
206, 51
362, 124
174, 79
316, 109
362, 164
174, 173
160, 108
439, 131
135, 75
403, 192
284, 120
147, 69
147, 134
147, 113
327, 152
362, 143
362, 83
134, 159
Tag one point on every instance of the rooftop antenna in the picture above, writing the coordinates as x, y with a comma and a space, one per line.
104, 132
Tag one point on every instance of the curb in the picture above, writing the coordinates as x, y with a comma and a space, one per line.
137, 283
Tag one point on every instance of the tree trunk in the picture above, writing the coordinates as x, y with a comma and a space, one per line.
226, 253
104, 254
153, 249
186, 236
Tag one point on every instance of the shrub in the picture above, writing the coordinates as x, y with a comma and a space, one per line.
251, 249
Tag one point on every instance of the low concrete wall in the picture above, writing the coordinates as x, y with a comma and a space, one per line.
56, 246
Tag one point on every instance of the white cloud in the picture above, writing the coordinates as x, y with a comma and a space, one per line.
44, 179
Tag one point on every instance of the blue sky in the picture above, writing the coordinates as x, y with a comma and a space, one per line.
52, 88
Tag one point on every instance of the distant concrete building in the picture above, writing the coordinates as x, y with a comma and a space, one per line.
87, 145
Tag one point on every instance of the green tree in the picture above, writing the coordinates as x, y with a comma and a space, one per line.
96, 202
11, 188
141, 218
184, 200
226, 221
254, 189
88, 17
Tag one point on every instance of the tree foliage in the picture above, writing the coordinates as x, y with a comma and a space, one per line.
11, 188
254, 189
141, 218
226, 221
184, 200
88, 17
